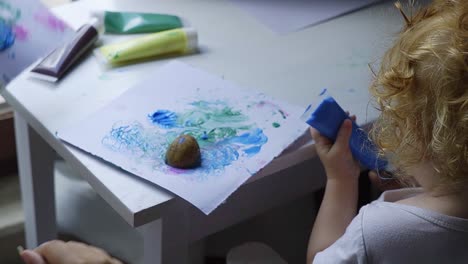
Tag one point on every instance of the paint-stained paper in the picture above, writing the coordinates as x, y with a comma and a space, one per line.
239, 132
28, 31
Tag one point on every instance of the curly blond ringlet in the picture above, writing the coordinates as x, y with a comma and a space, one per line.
421, 90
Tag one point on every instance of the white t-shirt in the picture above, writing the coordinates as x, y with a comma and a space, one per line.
387, 232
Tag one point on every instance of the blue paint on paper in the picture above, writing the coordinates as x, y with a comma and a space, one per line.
224, 135
204, 136
181, 140
252, 151
164, 118
253, 137
145, 143
218, 156
131, 137
7, 35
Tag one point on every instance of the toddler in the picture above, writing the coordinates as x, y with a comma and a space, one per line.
421, 90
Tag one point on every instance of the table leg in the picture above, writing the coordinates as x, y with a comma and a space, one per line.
151, 234
166, 240
36, 171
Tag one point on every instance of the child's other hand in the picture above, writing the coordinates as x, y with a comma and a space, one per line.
337, 157
59, 252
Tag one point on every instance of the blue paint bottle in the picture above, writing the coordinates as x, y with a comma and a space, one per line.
328, 117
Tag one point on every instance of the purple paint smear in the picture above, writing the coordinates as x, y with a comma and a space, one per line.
21, 33
50, 21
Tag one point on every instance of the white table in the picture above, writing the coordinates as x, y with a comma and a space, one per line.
293, 67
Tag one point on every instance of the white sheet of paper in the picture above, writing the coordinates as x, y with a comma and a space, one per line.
32, 31
292, 15
239, 132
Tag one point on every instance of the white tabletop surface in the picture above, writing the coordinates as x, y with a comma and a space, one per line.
293, 67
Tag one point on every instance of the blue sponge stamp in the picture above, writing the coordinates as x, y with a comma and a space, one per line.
328, 117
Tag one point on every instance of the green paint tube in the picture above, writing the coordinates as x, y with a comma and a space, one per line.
133, 23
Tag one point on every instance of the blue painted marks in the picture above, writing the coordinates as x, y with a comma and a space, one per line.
218, 156
7, 35
323, 91
253, 137
225, 135
129, 136
164, 118
252, 141
134, 139
252, 150
204, 136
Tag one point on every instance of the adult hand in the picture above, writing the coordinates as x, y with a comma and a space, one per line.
337, 157
59, 252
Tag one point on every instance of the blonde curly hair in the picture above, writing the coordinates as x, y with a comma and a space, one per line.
421, 90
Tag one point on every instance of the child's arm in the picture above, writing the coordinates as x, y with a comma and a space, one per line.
339, 203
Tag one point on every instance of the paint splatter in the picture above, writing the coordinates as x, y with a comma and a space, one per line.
203, 114
148, 146
22, 34
274, 108
252, 151
9, 13
275, 124
164, 118
204, 136
253, 137
7, 36
223, 133
283, 114
104, 77
50, 21
134, 139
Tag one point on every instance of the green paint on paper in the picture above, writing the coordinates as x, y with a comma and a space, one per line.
275, 125
282, 113
104, 77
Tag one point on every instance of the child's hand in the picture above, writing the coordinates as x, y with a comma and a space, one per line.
336, 157
59, 252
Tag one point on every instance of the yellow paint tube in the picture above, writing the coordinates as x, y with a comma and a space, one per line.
175, 41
